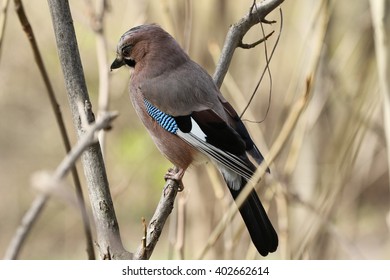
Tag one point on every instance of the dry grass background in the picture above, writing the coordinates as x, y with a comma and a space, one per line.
328, 192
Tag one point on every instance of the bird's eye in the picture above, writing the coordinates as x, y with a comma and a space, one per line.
126, 50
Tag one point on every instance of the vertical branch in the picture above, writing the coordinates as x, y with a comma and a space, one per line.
108, 236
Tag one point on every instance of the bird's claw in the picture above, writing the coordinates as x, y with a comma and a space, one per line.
175, 175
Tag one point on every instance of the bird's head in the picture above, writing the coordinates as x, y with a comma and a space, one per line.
144, 43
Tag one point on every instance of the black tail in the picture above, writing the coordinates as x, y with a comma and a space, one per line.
263, 234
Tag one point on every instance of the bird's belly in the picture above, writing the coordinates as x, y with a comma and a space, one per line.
172, 147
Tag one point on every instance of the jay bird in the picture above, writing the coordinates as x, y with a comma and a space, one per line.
189, 119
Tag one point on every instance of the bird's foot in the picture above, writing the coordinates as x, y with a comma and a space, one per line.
176, 174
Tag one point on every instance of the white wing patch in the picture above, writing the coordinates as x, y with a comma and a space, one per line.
227, 162
197, 131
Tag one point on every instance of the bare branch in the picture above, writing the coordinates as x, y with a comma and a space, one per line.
108, 236
266, 69
89, 138
156, 224
236, 34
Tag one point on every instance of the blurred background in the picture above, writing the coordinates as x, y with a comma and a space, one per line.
328, 191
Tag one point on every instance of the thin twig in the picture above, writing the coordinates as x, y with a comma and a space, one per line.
60, 122
252, 45
237, 32
144, 237
266, 69
60, 173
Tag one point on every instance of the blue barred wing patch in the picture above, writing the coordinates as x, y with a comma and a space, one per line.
164, 120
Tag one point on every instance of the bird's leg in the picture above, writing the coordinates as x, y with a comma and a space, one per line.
176, 174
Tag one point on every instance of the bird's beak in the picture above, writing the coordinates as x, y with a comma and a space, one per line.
117, 63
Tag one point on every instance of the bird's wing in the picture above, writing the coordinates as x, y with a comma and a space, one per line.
204, 118
240, 128
209, 134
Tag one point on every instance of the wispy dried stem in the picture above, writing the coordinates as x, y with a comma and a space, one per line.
258, 42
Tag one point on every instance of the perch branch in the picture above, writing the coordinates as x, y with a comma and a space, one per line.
60, 122
108, 236
156, 224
